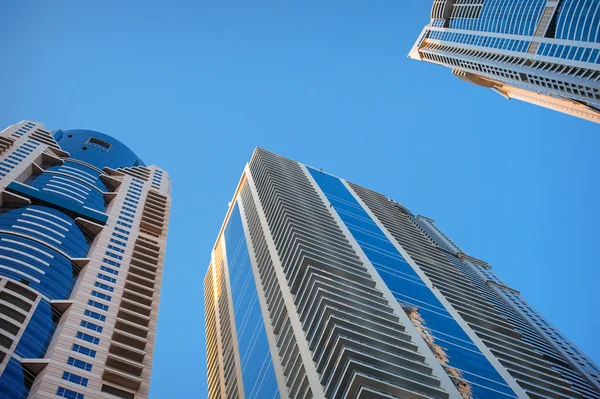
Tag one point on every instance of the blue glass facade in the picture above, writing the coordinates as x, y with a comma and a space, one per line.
35, 245
256, 363
464, 360
481, 40
574, 20
96, 149
538, 51
517, 17
578, 20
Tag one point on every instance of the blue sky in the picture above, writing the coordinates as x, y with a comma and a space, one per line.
194, 87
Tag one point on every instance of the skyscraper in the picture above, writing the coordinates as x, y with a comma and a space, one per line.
320, 288
83, 232
545, 52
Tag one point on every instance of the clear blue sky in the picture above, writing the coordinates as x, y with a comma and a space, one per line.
194, 87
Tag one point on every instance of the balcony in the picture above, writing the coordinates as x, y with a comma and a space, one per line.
131, 328
127, 352
121, 378
133, 317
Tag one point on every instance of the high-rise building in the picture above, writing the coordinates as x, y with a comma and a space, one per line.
320, 288
545, 52
83, 228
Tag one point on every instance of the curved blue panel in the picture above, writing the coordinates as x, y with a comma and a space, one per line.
69, 190
81, 173
39, 331
518, 17
578, 20
97, 149
45, 271
74, 183
58, 201
14, 382
47, 225
258, 374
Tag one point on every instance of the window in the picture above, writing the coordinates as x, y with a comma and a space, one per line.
107, 278
87, 337
117, 242
94, 315
119, 257
126, 219
68, 394
123, 224
98, 305
100, 143
75, 378
104, 286
101, 295
91, 326
111, 262
79, 364
83, 350
116, 249
122, 231
120, 236
109, 270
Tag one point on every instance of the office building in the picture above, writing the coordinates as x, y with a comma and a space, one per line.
83, 231
545, 52
320, 288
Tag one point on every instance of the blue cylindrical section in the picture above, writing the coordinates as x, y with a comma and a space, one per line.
16, 381
518, 17
74, 183
578, 20
35, 245
97, 149
47, 225
24, 257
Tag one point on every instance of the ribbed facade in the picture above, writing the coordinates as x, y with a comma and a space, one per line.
546, 52
83, 227
319, 288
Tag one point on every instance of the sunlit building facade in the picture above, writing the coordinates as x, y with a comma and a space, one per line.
83, 228
545, 52
320, 288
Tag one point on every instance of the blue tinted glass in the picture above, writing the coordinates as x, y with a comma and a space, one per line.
504, 16
411, 292
255, 356
115, 156
578, 20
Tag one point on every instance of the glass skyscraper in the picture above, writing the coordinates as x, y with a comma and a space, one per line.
83, 228
320, 288
545, 52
